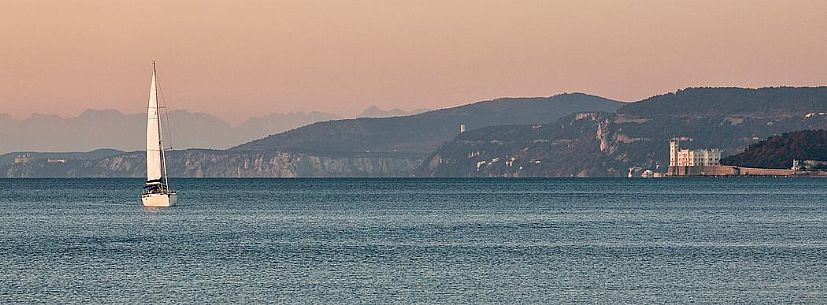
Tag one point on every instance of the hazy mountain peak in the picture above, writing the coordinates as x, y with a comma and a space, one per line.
43, 117
94, 128
376, 112
184, 111
100, 112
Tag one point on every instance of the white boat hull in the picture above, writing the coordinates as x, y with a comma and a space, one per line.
159, 200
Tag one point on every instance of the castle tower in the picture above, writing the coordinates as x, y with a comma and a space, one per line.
674, 147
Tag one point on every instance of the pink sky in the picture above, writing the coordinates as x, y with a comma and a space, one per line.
237, 59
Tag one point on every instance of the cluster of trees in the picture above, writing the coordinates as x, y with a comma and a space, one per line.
779, 151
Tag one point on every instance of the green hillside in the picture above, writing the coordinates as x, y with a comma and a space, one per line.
779, 151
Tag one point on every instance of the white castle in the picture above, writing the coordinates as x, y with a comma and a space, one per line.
687, 157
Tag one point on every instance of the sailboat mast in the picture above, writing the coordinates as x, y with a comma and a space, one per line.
161, 136
164, 161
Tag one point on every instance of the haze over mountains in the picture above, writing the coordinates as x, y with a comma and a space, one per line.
94, 129
564, 135
424, 132
376, 112
392, 146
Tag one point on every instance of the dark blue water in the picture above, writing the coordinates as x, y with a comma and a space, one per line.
416, 241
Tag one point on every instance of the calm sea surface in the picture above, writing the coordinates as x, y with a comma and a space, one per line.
416, 241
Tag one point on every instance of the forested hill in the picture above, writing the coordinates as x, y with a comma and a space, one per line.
779, 151
423, 133
637, 135
763, 102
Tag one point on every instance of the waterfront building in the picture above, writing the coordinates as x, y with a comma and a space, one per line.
689, 157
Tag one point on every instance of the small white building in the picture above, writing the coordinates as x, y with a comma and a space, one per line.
22, 159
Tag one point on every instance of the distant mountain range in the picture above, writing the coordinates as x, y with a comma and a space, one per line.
94, 129
424, 132
563, 135
393, 146
376, 112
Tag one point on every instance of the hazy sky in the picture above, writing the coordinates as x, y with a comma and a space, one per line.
237, 59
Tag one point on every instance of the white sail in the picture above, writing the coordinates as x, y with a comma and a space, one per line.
153, 137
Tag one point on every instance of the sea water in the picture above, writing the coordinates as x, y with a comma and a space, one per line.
416, 241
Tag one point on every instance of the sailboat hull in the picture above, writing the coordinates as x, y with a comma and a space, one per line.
159, 200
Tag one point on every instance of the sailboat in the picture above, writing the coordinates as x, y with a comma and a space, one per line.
157, 191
